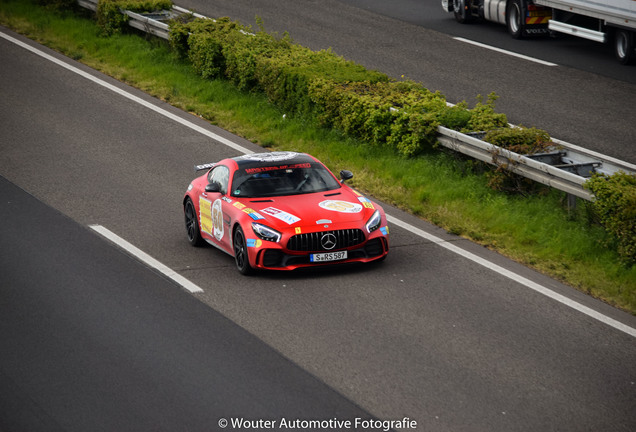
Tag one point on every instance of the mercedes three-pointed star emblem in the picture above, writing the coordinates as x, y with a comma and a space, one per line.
328, 241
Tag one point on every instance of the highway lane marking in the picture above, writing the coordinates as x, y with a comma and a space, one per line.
503, 51
419, 232
514, 276
127, 95
146, 259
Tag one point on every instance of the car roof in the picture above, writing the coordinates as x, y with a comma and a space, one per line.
272, 158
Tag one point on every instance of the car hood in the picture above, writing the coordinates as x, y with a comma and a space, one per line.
312, 209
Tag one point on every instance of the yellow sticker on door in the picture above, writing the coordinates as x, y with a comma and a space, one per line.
205, 215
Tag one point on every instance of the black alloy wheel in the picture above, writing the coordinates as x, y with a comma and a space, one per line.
192, 224
240, 252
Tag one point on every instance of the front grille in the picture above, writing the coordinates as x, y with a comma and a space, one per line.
314, 241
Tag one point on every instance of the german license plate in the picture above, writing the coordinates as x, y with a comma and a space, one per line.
328, 256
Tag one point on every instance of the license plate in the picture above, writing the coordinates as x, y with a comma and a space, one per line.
328, 256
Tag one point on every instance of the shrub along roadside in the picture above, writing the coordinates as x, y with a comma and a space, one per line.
615, 207
533, 230
362, 103
109, 12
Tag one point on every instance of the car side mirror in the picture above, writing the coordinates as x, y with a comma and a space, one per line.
213, 187
345, 175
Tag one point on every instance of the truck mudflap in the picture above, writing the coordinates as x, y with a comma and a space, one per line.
527, 20
538, 17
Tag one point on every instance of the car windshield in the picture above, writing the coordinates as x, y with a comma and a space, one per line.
268, 181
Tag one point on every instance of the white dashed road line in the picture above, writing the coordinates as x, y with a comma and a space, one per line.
146, 259
503, 51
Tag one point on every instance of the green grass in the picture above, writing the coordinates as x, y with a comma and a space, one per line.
440, 187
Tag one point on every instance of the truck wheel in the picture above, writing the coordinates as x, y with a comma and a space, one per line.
515, 19
461, 9
624, 46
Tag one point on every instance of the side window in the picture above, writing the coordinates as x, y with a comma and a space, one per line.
221, 176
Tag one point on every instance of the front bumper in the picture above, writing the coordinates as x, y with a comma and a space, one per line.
280, 259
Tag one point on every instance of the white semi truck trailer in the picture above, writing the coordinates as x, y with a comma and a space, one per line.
607, 21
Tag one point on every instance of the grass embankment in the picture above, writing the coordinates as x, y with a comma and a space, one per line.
440, 187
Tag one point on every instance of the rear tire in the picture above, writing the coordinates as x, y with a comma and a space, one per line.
514, 19
624, 46
241, 256
192, 224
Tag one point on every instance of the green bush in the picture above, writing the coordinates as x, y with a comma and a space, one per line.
180, 33
246, 56
402, 115
481, 118
525, 141
257, 60
355, 108
205, 52
455, 117
286, 75
111, 19
484, 117
615, 207
412, 133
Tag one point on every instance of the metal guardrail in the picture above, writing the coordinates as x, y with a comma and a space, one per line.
530, 167
566, 168
151, 23
88, 4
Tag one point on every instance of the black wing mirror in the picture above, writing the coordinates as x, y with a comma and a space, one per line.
213, 187
345, 175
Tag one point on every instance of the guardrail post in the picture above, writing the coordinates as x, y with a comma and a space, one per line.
571, 200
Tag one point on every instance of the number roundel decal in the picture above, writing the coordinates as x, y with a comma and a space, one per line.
217, 219
341, 206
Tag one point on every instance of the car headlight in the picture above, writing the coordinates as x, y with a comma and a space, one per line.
374, 222
265, 232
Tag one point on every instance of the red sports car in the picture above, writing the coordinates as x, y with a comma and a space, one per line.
282, 211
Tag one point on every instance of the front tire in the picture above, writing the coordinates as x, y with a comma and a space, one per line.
624, 46
192, 224
514, 19
462, 11
240, 252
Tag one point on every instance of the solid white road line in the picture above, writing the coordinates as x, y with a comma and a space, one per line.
146, 259
503, 51
514, 276
421, 233
130, 96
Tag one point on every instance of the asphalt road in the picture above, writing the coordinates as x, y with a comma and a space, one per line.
573, 52
92, 340
427, 334
587, 100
